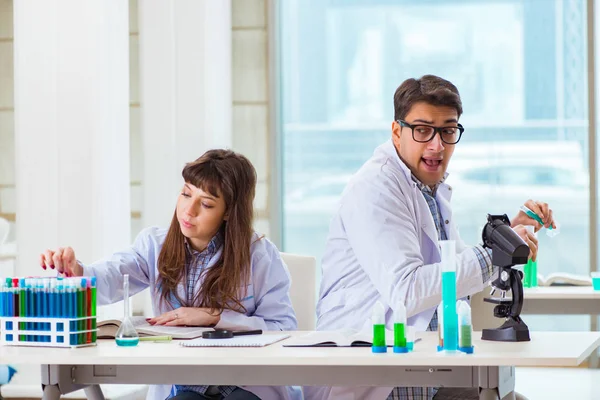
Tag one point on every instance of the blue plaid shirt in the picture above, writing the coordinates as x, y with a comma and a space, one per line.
485, 260
196, 261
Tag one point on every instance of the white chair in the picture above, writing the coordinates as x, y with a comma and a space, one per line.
303, 270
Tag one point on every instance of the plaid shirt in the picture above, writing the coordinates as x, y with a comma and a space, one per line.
196, 262
485, 261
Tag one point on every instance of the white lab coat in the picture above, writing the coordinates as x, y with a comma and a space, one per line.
266, 300
383, 245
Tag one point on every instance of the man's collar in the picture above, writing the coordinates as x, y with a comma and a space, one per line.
424, 188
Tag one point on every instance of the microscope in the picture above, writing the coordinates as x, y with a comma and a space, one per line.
508, 249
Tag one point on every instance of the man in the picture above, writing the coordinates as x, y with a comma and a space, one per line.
383, 240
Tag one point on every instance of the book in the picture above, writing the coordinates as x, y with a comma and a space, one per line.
237, 341
341, 338
108, 329
564, 279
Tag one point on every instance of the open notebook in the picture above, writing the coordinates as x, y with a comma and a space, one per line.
108, 329
341, 338
564, 279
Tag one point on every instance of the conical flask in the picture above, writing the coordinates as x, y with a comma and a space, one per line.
126, 335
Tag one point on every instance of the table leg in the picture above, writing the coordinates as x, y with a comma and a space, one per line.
51, 392
94, 392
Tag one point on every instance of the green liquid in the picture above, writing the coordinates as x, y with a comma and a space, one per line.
127, 342
465, 336
93, 301
399, 335
534, 281
527, 274
379, 335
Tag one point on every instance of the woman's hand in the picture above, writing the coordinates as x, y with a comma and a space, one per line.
529, 239
191, 316
63, 260
541, 209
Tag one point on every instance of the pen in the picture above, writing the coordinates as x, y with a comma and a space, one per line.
243, 333
165, 338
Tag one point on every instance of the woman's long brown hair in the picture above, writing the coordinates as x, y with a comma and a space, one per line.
231, 175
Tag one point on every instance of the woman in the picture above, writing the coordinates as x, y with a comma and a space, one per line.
208, 269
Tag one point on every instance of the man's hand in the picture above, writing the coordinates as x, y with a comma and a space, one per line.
529, 239
541, 209
190, 316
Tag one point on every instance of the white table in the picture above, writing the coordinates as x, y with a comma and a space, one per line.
491, 367
561, 300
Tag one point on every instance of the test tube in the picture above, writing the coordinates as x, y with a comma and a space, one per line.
465, 343
379, 342
440, 315
410, 338
448, 253
533, 264
1, 300
8, 298
93, 308
399, 329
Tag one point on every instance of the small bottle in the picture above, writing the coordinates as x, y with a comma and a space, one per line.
126, 335
399, 329
410, 338
379, 343
440, 315
465, 331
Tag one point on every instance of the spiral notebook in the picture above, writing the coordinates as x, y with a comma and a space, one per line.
237, 341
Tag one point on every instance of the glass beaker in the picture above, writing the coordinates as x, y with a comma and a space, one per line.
126, 335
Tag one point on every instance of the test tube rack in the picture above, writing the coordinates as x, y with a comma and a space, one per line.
48, 332
48, 312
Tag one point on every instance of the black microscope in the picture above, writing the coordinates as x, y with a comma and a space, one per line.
508, 249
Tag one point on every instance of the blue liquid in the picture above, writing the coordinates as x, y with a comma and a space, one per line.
450, 316
127, 342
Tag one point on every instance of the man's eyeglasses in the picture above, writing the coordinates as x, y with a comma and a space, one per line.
426, 133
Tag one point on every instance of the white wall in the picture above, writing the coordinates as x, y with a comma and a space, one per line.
7, 137
250, 95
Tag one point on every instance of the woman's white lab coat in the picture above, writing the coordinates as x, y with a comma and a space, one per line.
267, 298
383, 245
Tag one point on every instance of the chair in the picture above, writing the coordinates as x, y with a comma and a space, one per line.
303, 270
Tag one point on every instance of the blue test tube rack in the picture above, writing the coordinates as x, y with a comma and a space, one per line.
48, 312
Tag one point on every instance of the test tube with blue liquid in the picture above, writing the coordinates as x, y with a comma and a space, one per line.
450, 318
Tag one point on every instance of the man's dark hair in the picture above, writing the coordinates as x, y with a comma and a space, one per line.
429, 89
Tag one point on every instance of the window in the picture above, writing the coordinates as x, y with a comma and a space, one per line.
522, 73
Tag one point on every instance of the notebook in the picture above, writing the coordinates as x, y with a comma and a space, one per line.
108, 329
341, 338
564, 279
237, 341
